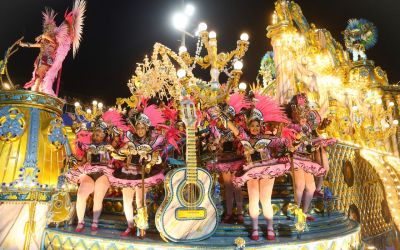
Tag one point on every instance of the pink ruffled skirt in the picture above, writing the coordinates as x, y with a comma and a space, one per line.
308, 166
74, 175
225, 166
126, 183
261, 170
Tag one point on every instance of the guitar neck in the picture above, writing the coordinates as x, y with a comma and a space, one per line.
191, 155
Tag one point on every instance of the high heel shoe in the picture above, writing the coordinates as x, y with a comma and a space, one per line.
310, 218
254, 234
240, 219
228, 219
128, 231
94, 227
270, 236
80, 227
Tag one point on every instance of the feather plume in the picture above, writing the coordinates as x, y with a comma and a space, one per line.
75, 19
83, 139
115, 118
154, 114
238, 102
270, 109
48, 17
64, 45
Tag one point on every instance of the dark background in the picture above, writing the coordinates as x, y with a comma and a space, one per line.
117, 35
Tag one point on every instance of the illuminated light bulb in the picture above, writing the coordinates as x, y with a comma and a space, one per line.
238, 65
202, 27
274, 18
110, 109
181, 73
242, 86
94, 103
384, 179
244, 37
395, 122
182, 49
212, 35
386, 125
100, 105
6, 86
379, 101
189, 10
180, 21
77, 104
89, 111
391, 104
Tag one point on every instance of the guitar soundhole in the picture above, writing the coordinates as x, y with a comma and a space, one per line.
191, 194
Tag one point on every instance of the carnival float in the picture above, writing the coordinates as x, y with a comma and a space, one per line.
186, 160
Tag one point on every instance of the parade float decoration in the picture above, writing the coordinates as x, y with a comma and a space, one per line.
362, 199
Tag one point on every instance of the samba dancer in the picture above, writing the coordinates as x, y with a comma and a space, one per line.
306, 145
260, 167
92, 152
228, 159
143, 150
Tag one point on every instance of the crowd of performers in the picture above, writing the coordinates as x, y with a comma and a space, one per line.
252, 139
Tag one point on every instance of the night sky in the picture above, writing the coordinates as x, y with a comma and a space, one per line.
117, 35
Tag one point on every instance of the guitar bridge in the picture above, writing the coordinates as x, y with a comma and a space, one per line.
184, 213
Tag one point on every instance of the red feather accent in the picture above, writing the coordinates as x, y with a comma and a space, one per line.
173, 135
289, 134
83, 139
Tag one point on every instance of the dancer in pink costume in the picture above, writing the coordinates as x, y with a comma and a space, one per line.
264, 160
143, 150
54, 45
228, 156
92, 151
306, 145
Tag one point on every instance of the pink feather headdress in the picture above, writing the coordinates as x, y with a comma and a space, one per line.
150, 115
268, 110
114, 118
49, 24
237, 102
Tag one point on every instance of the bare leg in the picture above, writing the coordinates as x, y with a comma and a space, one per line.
266, 186
299, 185
253, 188
100, 189
139, 197
309, 191
239, 199
228, 189
323, 162
127, 196
86, 187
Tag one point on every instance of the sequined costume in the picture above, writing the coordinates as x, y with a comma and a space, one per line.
130, 174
